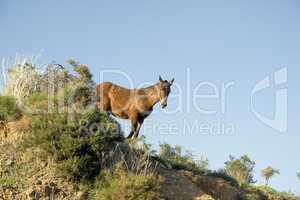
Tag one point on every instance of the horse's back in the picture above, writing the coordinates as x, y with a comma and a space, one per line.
113, 92
107, 86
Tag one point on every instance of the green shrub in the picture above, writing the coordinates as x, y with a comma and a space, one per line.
241, 169
7, 182
37, 102
9, 109
82, 70
273, 194
80, 152
28, 84
222, 174
265, 192
123, 185
181, 161
268, 173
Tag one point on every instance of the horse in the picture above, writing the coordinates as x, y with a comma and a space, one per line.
133, 104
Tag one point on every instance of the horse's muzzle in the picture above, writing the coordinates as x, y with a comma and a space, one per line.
163, 105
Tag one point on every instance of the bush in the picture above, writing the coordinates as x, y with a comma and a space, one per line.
265, 192
80, 152
241, 169
23, 80
222, 174
9, 109
7, 182
181, 161
27, 83
268, 173
124, 185
37, 102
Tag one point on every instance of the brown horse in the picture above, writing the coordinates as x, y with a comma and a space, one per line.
133, 104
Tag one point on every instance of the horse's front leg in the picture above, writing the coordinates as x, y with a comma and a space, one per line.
134, 126
140, 123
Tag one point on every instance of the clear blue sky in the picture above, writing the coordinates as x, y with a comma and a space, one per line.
219, 41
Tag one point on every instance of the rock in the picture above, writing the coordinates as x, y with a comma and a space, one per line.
179, 187
218, 188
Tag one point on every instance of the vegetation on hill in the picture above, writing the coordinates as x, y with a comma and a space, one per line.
8, 109
56, 145
241, 169
177, 159
268, 173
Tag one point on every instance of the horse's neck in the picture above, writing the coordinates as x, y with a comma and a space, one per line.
152, 94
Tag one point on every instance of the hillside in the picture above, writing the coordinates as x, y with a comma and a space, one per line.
31, 169
74, 151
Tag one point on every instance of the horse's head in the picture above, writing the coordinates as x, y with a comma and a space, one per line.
164, 87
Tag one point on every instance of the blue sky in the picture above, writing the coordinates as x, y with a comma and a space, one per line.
213, 41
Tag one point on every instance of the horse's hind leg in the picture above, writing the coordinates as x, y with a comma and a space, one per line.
104, 104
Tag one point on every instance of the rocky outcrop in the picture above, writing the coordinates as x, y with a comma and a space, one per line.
184, 185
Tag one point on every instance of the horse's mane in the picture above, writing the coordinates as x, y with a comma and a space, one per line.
149, 87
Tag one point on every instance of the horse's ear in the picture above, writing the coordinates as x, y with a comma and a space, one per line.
160, 79
172, 81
